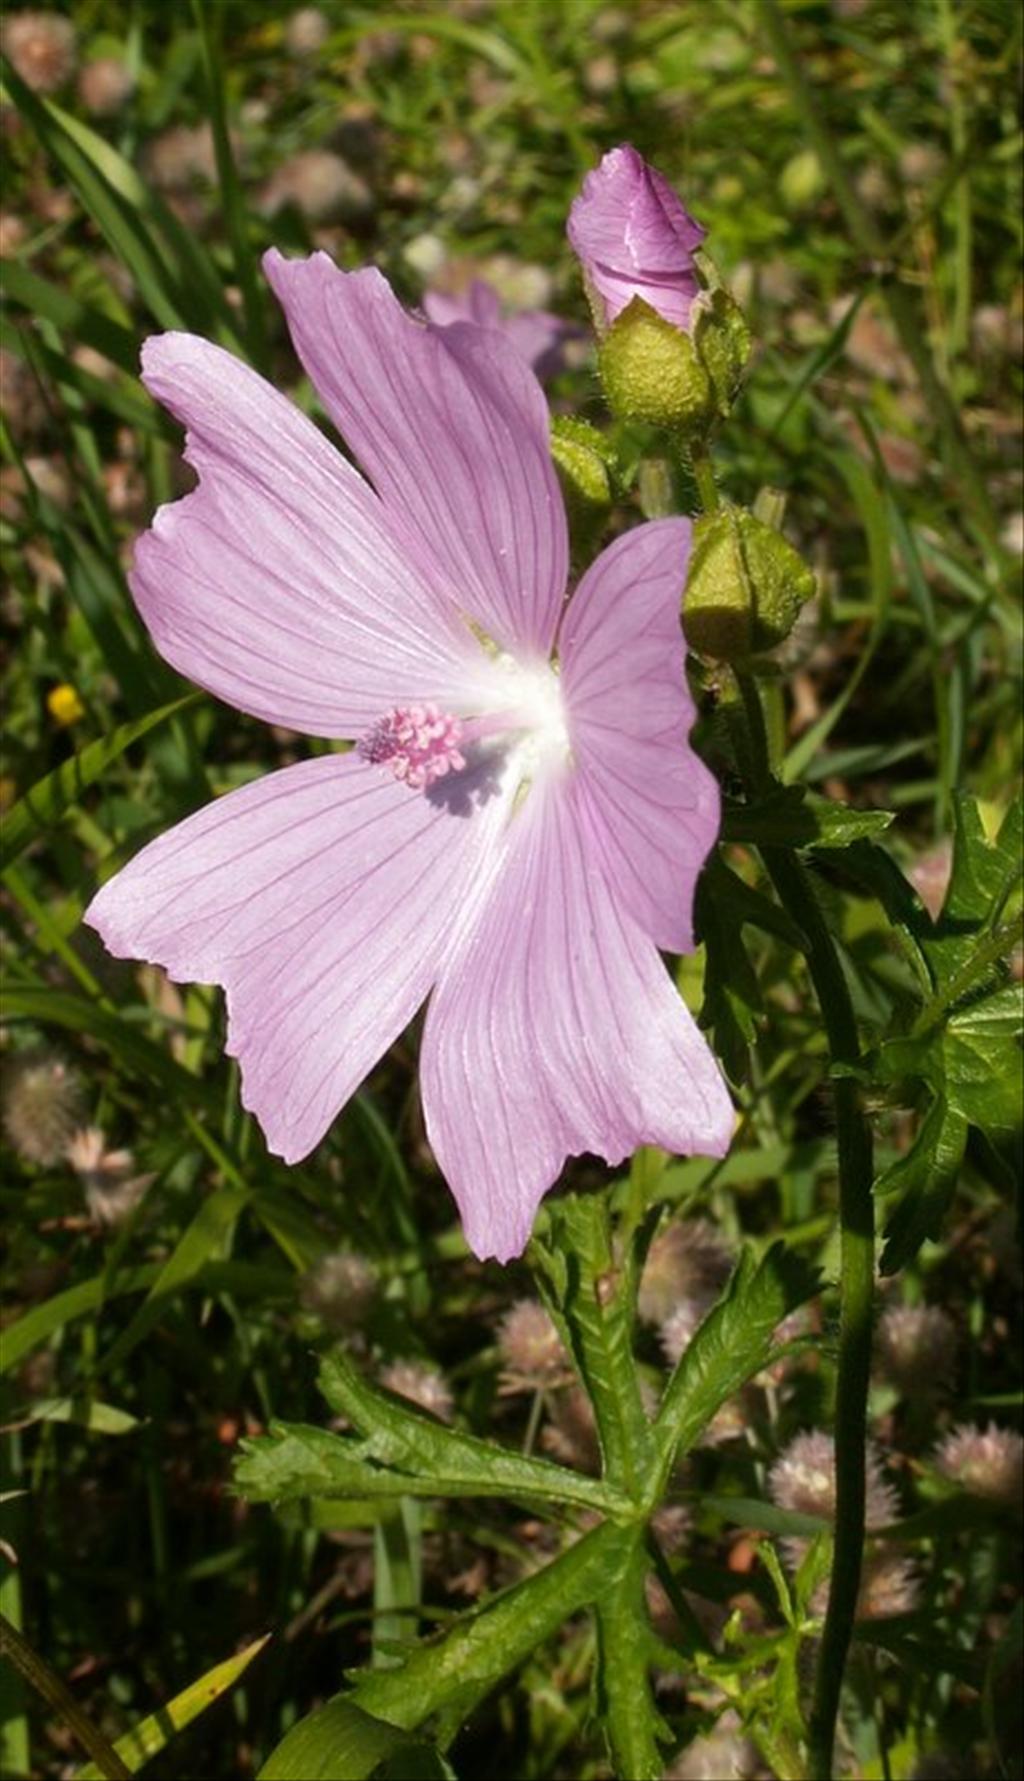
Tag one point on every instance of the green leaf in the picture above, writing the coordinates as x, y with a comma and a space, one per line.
793, 817
87, 326
339, 1742
44, 805
450, 1674
403, 1452
592, 1292
89, 1413
152, 1734
733, 1343
765, 1517
46, 1007
982, 877
926, 1177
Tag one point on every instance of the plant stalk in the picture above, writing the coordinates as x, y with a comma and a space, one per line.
857, 1263
46, 1682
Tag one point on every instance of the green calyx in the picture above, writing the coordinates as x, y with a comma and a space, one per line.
585, 460
745, 588
684, 380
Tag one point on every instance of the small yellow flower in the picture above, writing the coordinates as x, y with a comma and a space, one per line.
64, 705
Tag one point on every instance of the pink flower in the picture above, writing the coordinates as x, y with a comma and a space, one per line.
634, 238
417, 612
538, 336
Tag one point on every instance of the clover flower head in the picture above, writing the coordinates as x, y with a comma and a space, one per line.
306, 30
520, 825
41, 47
722, 1754
532, 1352
687, 1266
803, 1479
42, 1104
986, 1462
340, 1289
916, 1348
104, 86
422, 1385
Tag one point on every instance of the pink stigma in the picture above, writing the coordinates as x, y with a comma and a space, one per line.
418, 742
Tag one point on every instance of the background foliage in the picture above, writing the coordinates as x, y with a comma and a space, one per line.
150, 1330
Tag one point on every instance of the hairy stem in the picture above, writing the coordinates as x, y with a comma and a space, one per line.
857, 1264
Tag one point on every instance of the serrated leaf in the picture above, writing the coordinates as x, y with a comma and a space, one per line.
926, 1177
733, 1343
983, 874
400, 1451
793, 817
152, 1734
452, 1673
51, 796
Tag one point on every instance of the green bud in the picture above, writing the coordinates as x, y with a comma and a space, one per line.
584, 459
680, 379
745, 587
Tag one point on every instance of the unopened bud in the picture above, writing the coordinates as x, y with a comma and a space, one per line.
681, 379
745, 588
584, 459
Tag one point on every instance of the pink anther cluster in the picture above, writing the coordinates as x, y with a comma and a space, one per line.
420, 743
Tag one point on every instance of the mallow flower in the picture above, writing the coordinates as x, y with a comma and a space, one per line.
520, 823
538, 336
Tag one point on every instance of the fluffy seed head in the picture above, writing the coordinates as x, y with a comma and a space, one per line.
40, 46
986, 1462
422, 1385
571, 1435
42, 1104
340, 1289
916, 1348
532, 1351
687, 1263
321, 185
105, 85
890, 1584
178, 157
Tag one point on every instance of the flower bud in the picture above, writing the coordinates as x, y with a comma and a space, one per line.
584, 459
745, 588
685, 380
673, 343
634, 238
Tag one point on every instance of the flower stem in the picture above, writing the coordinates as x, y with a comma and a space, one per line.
704, 477
857, 1262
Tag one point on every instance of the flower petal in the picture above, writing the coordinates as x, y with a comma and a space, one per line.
320, 898
452, 428
634, 238
650, 806
278, 584
556, 1029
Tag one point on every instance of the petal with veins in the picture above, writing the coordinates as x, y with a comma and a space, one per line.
649, 806
555, 1029
452, 428
321, 898
278, 584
